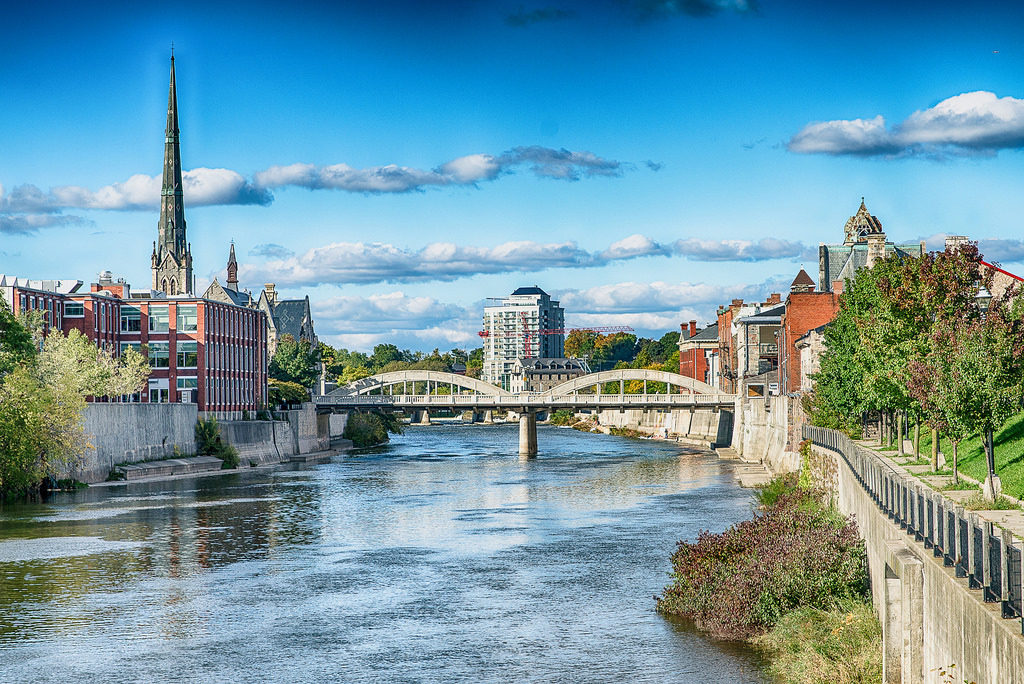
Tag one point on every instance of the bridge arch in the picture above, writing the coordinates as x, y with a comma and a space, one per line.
623, 374
382, 380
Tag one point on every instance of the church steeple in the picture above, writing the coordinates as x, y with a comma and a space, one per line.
172, 257
232, 270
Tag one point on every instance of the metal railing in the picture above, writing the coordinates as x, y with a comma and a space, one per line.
988, 558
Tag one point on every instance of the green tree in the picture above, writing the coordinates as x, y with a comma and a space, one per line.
384, 354
40, 431
280, 392
16, 345
295, 362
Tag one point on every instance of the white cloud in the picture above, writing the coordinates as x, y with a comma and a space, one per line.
739, 250
971, 123
634, 246
375, 262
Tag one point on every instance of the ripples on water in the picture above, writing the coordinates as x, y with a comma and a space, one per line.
440, 557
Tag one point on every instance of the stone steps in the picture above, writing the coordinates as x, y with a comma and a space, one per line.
171, 466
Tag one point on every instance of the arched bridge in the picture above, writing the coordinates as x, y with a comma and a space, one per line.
422, 390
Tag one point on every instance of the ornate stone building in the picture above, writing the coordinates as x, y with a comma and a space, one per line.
172, 255
284, 316
864, 243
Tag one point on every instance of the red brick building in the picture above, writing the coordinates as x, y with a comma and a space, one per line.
805, 310
210, 353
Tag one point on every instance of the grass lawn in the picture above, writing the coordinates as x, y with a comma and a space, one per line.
1009, 448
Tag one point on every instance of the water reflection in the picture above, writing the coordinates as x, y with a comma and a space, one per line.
442, 556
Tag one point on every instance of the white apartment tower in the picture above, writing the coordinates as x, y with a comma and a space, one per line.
520, 326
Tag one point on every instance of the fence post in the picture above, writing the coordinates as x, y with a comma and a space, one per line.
986, 558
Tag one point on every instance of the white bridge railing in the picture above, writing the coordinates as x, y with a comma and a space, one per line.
532, 400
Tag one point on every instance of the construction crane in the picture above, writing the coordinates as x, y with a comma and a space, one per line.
552, 331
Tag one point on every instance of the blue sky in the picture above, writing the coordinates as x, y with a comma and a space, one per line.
399, 162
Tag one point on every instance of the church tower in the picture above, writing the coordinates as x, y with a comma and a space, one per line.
172, 254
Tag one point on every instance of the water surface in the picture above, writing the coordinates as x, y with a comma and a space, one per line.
440, 557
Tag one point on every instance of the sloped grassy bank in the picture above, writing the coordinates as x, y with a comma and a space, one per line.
792, 580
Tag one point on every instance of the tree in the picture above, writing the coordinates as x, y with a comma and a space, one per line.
295, 362
41, 431
16, 345
384, 354
280, 392
580, 343
41, 404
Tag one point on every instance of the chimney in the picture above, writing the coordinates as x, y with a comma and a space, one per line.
693, 328
774, 298
271, 294
737, 303
876, 248
837, 287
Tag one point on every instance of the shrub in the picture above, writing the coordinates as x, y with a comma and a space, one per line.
838, 646
563, 417
210, 444
799, 552
370, 429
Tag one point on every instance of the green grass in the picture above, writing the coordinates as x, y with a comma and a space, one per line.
961, 486
839, 646
978, 502
1009, 449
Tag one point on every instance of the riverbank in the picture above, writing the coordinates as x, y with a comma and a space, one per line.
791, 580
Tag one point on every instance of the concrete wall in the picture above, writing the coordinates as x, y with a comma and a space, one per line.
761, 432
310, 433
129, 433
930, 619
257, 440
701, 425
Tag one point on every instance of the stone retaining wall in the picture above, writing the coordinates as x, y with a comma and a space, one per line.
701, 425
130, 433
930, 619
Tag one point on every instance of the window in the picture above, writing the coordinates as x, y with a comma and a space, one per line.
188, 354
131, 319
137, 346
159, 354
158, 391
74, 310
188, 383
187, 320
159, 319
103, 317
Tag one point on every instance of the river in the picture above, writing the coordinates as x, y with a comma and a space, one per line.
440, 557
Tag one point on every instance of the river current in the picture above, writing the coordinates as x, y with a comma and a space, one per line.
442, 556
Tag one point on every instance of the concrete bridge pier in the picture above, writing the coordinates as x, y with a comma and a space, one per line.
488, 418
528, 433
424, 417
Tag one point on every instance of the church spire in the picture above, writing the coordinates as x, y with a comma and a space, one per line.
172, 258
172, 210
232, 270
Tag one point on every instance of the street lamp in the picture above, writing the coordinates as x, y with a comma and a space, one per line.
992, 485
983, 299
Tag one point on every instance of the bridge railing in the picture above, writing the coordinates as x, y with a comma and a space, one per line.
989, 559
524, 400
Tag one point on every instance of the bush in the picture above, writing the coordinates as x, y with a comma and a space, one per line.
799, 552
210, 444
838, 646
370, 429
563, 417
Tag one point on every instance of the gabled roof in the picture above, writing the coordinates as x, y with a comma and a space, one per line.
288, 316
